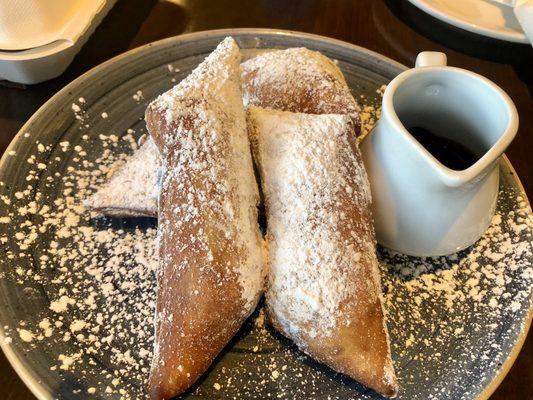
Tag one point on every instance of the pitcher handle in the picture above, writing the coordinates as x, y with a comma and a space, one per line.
431, 59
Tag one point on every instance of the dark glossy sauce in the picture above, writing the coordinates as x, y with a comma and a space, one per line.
450, 153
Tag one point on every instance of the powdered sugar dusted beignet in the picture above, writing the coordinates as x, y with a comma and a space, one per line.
324, 287
132, 190
298, 80
211, 274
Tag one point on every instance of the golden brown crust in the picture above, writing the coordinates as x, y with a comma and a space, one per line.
298, 80
210, 275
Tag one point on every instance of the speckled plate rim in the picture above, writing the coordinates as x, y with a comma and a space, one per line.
28, 376
436, 12
513, 355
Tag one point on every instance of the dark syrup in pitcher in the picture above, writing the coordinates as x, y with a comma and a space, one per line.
449, 153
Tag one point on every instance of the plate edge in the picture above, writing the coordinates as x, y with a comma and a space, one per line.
458, 23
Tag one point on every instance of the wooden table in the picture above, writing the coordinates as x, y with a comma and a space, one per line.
393, 28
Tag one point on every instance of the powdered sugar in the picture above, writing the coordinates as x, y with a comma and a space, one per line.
90, 271
307, 279
62, 304
470, 301
211, 162
132, 188
297, 80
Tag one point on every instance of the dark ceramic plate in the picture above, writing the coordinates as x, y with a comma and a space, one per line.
456, 323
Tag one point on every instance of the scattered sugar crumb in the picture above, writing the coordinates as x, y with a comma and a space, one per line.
26, 335
138, 96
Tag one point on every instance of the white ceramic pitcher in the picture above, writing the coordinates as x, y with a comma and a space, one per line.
421, 207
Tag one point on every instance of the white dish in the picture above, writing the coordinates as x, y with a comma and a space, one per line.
55, 52
483, 17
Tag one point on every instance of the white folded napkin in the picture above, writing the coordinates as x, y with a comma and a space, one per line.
26, 24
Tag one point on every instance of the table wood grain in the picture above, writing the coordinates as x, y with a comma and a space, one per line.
393, 28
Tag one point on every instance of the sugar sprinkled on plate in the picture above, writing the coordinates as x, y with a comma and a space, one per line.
100, 278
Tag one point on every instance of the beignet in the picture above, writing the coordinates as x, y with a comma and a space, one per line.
211, 273
132, 190
323, 288
298, 80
